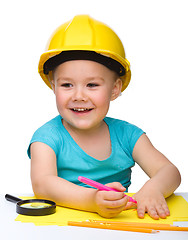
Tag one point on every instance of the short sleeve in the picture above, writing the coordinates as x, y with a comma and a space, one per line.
133, 136
46, 134
127, 134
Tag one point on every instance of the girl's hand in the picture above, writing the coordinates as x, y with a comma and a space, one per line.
152, 202
109, 203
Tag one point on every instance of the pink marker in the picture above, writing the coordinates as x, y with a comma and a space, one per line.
100, 186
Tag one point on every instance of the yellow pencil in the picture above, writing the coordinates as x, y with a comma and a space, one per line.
110, 226
154, 226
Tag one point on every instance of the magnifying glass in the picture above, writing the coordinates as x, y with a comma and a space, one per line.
32, 207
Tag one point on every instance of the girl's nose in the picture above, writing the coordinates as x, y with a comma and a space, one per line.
79, 94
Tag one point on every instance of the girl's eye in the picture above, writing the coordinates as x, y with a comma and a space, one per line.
66, 85
91, 85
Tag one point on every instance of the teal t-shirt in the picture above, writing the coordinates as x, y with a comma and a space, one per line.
73, 162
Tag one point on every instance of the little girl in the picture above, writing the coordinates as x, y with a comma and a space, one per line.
86, 68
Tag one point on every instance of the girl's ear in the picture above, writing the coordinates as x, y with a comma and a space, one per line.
52, 85
50, 77
116, 91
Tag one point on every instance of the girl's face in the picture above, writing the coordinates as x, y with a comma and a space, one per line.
83, 91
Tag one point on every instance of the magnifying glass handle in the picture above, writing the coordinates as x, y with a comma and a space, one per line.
12, 198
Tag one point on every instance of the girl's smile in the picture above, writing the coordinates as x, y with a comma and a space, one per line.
81, 110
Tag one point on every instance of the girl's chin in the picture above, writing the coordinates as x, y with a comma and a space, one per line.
81, 125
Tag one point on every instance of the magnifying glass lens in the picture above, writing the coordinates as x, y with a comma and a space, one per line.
36, 205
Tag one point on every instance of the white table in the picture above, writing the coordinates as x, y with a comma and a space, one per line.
10, 229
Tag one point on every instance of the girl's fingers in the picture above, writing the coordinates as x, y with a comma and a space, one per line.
154, 211
111, 195
141, 211
130, 205
166, 209
110, 204
116, 203
116, 185
163, 211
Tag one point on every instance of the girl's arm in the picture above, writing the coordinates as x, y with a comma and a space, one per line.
46, 184
164, 179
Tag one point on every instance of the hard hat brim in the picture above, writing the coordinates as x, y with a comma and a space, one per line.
51, 53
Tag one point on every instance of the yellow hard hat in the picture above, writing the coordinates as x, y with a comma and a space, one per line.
85, 38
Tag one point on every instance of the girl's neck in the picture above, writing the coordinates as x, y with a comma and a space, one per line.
84, 133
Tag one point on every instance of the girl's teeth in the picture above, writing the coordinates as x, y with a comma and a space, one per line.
80, 109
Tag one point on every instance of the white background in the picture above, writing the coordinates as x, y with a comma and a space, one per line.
155, 36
